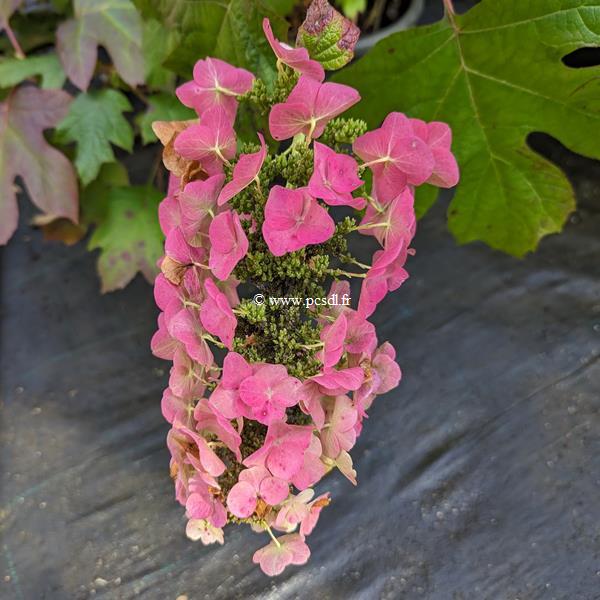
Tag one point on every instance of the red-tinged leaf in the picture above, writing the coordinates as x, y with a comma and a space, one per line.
7, 8
48, 176
327, 35
113, 24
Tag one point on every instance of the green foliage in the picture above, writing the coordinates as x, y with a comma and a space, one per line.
228, 29
495, 75
129, 236
95, 119
161, 107
45, 66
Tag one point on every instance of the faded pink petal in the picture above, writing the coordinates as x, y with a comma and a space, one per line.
293, 510
269, 392
186, 376
295, 58
333, 336
274, 558
396, 223
198, 203
200, 529
294, 219
340, 433
241, 499
215, 83
283, 450
309, 107
212, 141
312, 469
387, 368
185, 326
245, 172
334, 177
344, 380
314, 510
216, 314
163, 345
273, 490
169, 214
229, 244
360, 335
208, 419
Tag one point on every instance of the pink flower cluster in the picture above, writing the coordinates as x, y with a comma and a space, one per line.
210, 408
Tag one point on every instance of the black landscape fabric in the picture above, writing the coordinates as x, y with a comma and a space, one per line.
478, 476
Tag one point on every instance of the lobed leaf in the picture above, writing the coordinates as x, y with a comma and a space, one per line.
128, 236
46, 66
495, 74
114, 24
95, 119
47, 174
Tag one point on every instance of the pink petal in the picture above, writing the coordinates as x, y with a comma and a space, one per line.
229, 244
245, 172
241, 500
296, 58
293, 219
274, 490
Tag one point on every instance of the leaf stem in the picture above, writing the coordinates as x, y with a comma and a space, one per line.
449, 7
13, 39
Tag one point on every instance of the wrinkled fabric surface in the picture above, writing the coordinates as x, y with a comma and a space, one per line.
478, 477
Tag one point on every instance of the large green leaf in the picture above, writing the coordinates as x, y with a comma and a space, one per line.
128, 236
226, 29
95, 120
114, 24
495, 74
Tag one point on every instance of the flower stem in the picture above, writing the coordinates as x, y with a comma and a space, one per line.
337, 272
271, 534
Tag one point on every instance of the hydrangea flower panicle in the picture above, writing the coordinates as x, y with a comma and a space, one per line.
251, 438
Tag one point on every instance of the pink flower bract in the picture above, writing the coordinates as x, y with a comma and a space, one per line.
215, 83
295, 58
229, 244
294, 219
269, 392
309, 107
289, 550
396, 156
212, 141
216, 314
244, 173
334, 177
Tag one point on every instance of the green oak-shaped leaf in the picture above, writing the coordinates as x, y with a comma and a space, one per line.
227, 29
161, 107
113, 24
95, 119
495, 75
47, 174
47, 66
327, 35
128, 236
